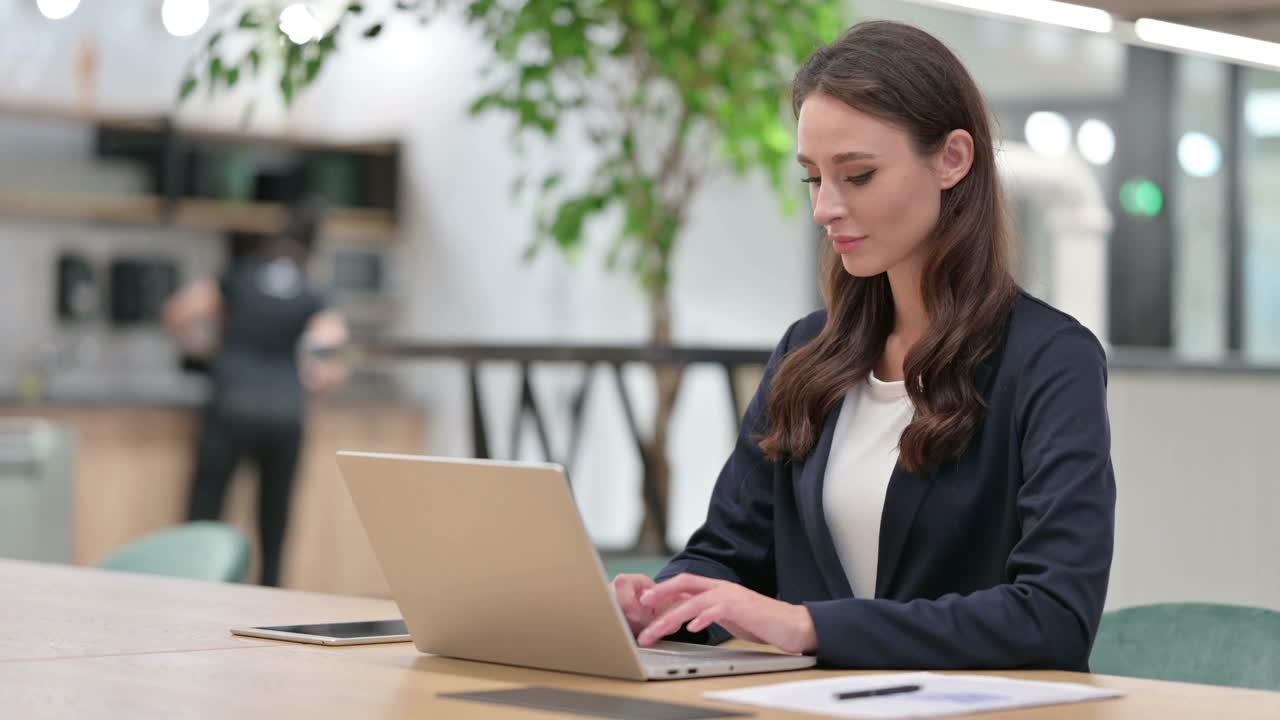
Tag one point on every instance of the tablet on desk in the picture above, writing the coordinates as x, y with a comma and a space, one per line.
343, 633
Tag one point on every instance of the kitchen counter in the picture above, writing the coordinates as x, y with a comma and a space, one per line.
133, 452
178, 392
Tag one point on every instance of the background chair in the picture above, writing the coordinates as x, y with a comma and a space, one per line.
615, 565
1191, 642
201, 550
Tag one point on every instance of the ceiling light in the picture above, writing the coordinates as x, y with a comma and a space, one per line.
1049, 11
1210, 42
1199, 155
300, 24
184, 17
57, 9
1048, 133
1097, 142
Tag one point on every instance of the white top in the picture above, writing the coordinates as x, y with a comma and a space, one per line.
864, 452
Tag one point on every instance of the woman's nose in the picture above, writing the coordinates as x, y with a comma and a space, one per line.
828, 206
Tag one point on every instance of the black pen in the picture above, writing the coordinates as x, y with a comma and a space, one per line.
876, 692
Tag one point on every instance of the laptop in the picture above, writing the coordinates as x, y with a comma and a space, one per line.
490, 561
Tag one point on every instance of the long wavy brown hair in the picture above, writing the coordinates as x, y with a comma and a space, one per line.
906, 77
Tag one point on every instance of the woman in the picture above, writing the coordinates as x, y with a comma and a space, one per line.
923, 478
252, 324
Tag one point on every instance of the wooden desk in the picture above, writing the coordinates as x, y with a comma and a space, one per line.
168, 655
60, 611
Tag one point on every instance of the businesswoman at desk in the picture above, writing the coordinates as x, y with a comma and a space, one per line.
923, 478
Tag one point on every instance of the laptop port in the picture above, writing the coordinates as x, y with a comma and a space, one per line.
693, 671
673, 672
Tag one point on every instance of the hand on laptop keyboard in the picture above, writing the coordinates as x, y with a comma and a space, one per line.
703, 601
627, 588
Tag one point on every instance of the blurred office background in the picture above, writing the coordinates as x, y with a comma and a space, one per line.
1144, 181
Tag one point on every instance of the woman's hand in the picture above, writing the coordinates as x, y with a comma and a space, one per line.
628, 589
701, 601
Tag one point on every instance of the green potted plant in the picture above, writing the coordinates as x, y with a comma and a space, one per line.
675, 88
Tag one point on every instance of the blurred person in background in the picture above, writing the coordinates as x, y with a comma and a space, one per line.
266, 339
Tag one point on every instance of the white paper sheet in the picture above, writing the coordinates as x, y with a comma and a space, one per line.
938, 696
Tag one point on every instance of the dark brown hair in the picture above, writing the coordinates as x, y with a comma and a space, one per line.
906, 77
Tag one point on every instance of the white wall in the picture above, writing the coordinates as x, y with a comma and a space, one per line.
1195, 459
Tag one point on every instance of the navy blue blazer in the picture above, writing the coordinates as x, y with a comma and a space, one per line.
997, 559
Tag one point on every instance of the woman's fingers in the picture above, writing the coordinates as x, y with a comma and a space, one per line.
667, 591
677, 615
627, 589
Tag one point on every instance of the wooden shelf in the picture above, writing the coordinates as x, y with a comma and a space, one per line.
193, 131
133, 209
372, 225
49, 111
342, 223
198, 132
367, 224
214, 215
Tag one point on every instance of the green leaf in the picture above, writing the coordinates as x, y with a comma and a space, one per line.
373, 30
329, 42
215, 72
249, 21
644, 13
776, 138
789, 204
255, 60
292, 57
188, 86
566, 229
723, 66
286, 88
214, 39
355, 8
233, 76
313, 69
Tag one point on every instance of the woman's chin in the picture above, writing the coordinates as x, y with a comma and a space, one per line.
860, 267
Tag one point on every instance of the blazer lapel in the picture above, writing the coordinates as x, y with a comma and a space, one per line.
906, 491
812, 473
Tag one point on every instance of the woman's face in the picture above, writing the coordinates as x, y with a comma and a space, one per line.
877, 198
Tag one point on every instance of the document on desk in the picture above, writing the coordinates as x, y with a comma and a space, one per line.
910, 695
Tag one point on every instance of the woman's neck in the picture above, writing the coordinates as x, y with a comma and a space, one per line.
910, 320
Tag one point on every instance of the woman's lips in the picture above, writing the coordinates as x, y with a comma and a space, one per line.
846, 243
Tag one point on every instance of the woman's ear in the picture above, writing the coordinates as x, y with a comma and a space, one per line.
955, 158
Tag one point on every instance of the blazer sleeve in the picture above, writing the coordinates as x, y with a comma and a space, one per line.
1046, 616
735, 543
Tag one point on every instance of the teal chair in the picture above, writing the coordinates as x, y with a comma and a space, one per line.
642, 564
1191, 642
200, 550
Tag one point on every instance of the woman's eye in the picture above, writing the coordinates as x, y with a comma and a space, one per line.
814, 180
862, 179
